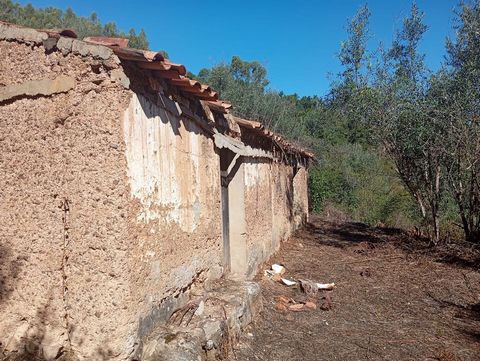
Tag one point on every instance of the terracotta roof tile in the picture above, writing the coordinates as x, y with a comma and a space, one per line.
165, 65
173, 73
136, 54
252, 124
103, 40
219, 106
194, 87
260, 129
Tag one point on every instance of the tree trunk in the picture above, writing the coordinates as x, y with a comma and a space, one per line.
436, 205
436, 227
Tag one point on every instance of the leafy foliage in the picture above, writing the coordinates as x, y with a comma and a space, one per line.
404, 126
458, 107
245, 84
353, 51
429, 125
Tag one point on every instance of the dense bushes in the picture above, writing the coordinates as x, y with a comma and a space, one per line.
362, 184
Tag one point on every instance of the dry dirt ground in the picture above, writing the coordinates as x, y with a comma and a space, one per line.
395, 299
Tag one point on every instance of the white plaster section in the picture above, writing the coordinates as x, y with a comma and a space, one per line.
252, 174
163, 164
191, 179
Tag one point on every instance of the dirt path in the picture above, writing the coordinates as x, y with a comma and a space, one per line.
392, 301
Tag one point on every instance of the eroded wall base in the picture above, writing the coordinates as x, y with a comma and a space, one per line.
220, 316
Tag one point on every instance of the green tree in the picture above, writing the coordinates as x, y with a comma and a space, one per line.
408, 62
351, 95
245, 84
353, 52
458, 105
404, 125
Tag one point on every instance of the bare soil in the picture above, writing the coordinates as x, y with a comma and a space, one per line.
395, 299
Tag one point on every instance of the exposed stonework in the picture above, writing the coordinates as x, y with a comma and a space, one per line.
8, 32
67, 45
212, 331
60, 84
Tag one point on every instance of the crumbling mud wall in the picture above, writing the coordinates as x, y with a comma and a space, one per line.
283, 198
110, 207
276, 204
63, 206
31, 217
300, 196
258, 210
174, 182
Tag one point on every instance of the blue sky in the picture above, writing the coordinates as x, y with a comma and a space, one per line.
297, 41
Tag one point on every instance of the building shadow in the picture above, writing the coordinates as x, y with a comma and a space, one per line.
9, 270
25, 341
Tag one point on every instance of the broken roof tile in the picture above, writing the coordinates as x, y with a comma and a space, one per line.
194, 87
107, 41
164, 65
219, 106
252, 124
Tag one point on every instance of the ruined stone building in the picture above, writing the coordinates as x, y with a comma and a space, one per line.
123, 183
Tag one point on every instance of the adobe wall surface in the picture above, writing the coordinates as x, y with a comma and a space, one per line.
283, 200
110, 209
300, 197
258, 211
174, 181
276, 204
63, 208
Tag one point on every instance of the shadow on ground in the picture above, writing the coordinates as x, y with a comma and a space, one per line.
348, 234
